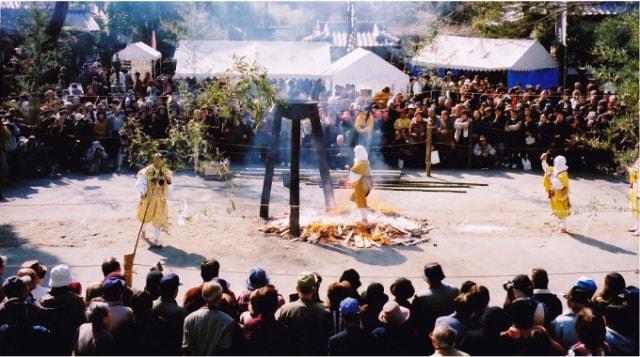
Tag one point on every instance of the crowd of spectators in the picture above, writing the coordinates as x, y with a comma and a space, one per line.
88, 125
441, 320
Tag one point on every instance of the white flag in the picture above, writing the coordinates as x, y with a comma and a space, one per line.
561, 24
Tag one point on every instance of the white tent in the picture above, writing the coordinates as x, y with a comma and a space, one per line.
280, 59
141, 56
138, 51
367, 70
484, 54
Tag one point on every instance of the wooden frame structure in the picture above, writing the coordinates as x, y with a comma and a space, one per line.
296, 111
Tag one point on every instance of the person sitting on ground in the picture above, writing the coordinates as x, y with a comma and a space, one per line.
306, 319
520, 288
263, 334
486, 340
95, 158
122, 318
41, 272
208, 331
352, 340
563, 326
591, 331
61, 311
485, 153
193, 300
443, 339
525, 338
434, 302
612, 292
352, 276
94, 337
19, 333
620, 328
152, 284
16, 291
373, 300
109, 266
541, 292
335, 294
169, 314
396, 336
32, 279
402, 290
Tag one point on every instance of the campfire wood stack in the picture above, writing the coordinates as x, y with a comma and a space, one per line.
358, 235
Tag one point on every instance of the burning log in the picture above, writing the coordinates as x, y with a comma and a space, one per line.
391, 230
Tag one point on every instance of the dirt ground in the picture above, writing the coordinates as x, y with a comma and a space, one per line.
488, 234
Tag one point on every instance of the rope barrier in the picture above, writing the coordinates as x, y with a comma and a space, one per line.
488, 276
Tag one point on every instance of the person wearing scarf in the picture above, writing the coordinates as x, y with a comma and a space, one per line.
556, 184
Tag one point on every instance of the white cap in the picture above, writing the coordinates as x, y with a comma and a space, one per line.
60, 276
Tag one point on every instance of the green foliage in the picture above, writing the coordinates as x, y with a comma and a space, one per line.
32, 62
245, 90
615, 58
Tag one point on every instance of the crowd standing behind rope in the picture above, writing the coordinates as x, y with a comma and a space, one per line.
85, 126
212, 319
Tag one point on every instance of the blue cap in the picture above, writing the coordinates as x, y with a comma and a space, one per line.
169, 282
113, 283
586, 284
257, 279
349, 306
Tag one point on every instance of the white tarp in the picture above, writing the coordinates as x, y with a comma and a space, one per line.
281, 59
138, 51
484, 54
367, 70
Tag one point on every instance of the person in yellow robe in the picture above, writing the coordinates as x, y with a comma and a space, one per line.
153, 184
634, 196
361, 180
556, 184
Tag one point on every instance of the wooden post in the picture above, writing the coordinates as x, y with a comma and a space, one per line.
272, 157
294, 185
428, 151
323, 164
469, 145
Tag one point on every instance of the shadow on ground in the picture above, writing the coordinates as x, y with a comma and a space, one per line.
17, 250
599, 244
384, 256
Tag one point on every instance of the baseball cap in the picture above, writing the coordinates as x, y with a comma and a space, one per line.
113, 284
306, 281
587, 284
349, 307
169, 282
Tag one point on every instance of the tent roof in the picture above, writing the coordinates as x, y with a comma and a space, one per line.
365, 69
281, 59
138, 51
485, 54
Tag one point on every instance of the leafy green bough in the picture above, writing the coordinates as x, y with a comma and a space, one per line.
244, 90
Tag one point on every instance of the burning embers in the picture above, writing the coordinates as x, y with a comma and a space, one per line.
343, 228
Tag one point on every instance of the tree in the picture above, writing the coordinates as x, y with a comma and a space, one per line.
615, 59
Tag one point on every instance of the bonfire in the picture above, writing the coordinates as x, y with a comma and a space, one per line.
342, 227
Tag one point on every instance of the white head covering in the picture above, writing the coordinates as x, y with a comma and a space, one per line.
60, 276
559, 164
96, 144
360, 153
